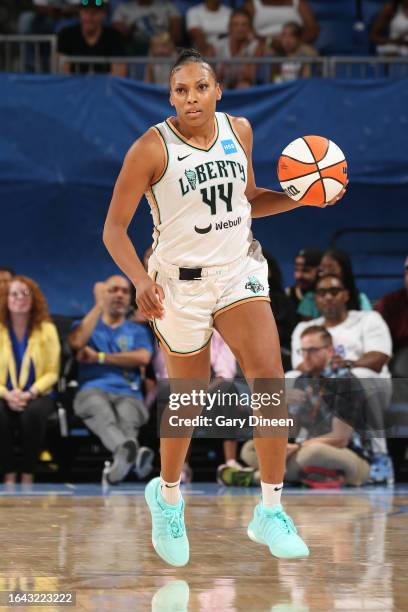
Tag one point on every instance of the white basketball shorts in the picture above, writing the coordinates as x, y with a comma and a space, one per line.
192, 305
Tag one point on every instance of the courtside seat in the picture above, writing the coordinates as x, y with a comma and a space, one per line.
66, 386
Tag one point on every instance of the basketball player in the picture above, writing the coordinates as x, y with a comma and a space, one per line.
205, 272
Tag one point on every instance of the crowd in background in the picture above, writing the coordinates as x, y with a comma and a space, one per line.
328, 331
245, 29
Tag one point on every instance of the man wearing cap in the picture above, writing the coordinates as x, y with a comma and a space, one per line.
394, 309
91, 37
305, 273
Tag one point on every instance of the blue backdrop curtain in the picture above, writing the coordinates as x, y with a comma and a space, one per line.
62, 142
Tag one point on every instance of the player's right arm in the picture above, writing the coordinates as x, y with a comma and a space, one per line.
144, 163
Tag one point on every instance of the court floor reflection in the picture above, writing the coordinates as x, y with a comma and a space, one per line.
99, 547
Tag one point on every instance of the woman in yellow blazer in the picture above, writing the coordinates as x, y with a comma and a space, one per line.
29, 367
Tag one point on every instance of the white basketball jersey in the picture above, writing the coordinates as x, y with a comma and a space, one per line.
200, 212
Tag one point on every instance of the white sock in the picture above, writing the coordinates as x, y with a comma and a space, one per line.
232, 463
170, 491
271, 494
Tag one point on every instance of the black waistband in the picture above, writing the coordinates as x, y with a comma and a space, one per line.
190, 273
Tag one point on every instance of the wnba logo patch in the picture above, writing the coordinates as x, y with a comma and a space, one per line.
229, 146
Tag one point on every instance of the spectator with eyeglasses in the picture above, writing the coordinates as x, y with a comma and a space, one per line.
327, 406
337, 262
110, 351
29, 367
362, 343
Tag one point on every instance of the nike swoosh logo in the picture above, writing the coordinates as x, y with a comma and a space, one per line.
181, 158
278, 488
203, 230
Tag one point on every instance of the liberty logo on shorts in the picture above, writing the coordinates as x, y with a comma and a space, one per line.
192, 178
254, 285
229, 147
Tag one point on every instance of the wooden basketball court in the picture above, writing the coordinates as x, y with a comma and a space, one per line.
59, 538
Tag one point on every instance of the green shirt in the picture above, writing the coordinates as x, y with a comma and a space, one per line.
308, 308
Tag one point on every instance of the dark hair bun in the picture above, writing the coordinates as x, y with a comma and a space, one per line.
186, 56
183, 52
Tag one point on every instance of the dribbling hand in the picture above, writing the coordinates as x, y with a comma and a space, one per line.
149, 298
333, 201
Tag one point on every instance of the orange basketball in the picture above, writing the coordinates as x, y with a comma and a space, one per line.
312, 170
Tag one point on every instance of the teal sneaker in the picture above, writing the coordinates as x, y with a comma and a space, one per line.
169, 536
273, 527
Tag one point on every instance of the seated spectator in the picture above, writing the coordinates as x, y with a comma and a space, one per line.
161, 45
362, 343
110, 351
390, 29
338, 263
305, 274
206, 24
324, 412
10, 12
91, 37
393, 307
291, 46
139, 20
269, 17
29, 367
240, 42
324, 416
46, 15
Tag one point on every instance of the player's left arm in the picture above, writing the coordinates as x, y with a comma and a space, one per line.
264, 202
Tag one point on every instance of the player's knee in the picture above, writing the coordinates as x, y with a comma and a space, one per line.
263, 370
